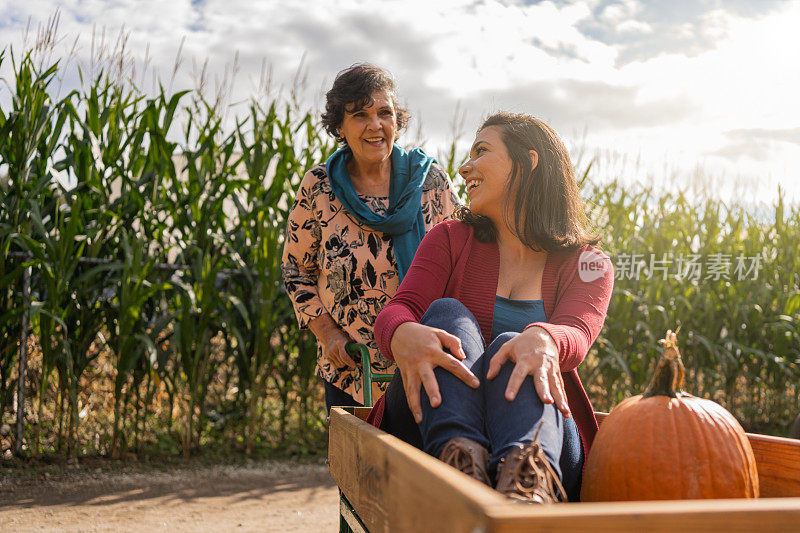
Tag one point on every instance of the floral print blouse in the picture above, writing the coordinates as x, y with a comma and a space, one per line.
332, 264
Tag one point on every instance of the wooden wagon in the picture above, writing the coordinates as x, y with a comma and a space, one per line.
388, 485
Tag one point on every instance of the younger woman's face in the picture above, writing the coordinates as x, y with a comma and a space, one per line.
486, 172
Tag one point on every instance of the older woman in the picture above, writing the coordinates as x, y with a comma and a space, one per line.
496, 313
355, 225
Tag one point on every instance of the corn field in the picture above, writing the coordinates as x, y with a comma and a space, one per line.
156, 300
141, 238
728, 278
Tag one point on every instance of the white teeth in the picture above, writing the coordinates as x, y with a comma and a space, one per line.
472, 184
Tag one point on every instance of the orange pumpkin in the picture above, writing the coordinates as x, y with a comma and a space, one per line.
668, 445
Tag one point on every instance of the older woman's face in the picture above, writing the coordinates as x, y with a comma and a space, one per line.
371, 130
486, 172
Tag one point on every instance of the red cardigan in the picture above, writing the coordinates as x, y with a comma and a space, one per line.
451, 263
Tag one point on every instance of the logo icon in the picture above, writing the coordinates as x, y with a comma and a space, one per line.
592, 265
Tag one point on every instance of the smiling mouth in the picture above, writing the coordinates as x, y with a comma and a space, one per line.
374, 141
473, 184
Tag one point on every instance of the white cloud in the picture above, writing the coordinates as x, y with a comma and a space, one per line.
642, 79
617, 12
634, 26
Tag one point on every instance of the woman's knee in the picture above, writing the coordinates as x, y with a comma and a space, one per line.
499, 341
453, 316
447, 306
502, 339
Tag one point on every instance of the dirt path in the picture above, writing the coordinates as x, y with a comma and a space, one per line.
262, 496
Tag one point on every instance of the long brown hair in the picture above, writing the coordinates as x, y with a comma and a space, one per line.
544, 207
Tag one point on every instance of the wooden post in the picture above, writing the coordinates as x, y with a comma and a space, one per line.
23, 363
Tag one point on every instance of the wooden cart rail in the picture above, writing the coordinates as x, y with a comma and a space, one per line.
393, 486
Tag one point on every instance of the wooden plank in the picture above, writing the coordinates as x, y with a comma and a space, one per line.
697, 515
777, 460
396, 487
362, 412
347, 514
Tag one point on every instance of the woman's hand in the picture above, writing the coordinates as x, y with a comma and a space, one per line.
417, 350
333, 341
534, 353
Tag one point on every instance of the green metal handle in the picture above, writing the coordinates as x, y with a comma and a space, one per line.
369, 377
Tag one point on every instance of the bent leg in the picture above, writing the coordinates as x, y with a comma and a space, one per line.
397, 417
516, 422
572, 459
461, 411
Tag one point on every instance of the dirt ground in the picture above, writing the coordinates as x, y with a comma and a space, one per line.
257, 496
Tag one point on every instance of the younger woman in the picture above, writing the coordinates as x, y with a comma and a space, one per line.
495, 314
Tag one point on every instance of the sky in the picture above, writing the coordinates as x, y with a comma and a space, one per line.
698, 95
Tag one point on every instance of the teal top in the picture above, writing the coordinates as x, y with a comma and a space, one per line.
515, 315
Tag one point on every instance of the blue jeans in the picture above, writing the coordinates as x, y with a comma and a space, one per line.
483, 414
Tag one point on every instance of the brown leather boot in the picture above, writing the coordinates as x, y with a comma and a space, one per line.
525, 475
468, 456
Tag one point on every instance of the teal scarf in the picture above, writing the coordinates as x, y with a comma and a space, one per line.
403, 220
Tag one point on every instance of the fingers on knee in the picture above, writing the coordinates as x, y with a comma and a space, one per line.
537, 404
495, 346
500, 340
443, 374
505, 337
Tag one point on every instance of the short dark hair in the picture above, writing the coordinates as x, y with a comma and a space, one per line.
355, 85
544, 207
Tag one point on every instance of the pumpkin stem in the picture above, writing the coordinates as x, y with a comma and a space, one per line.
668, 379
